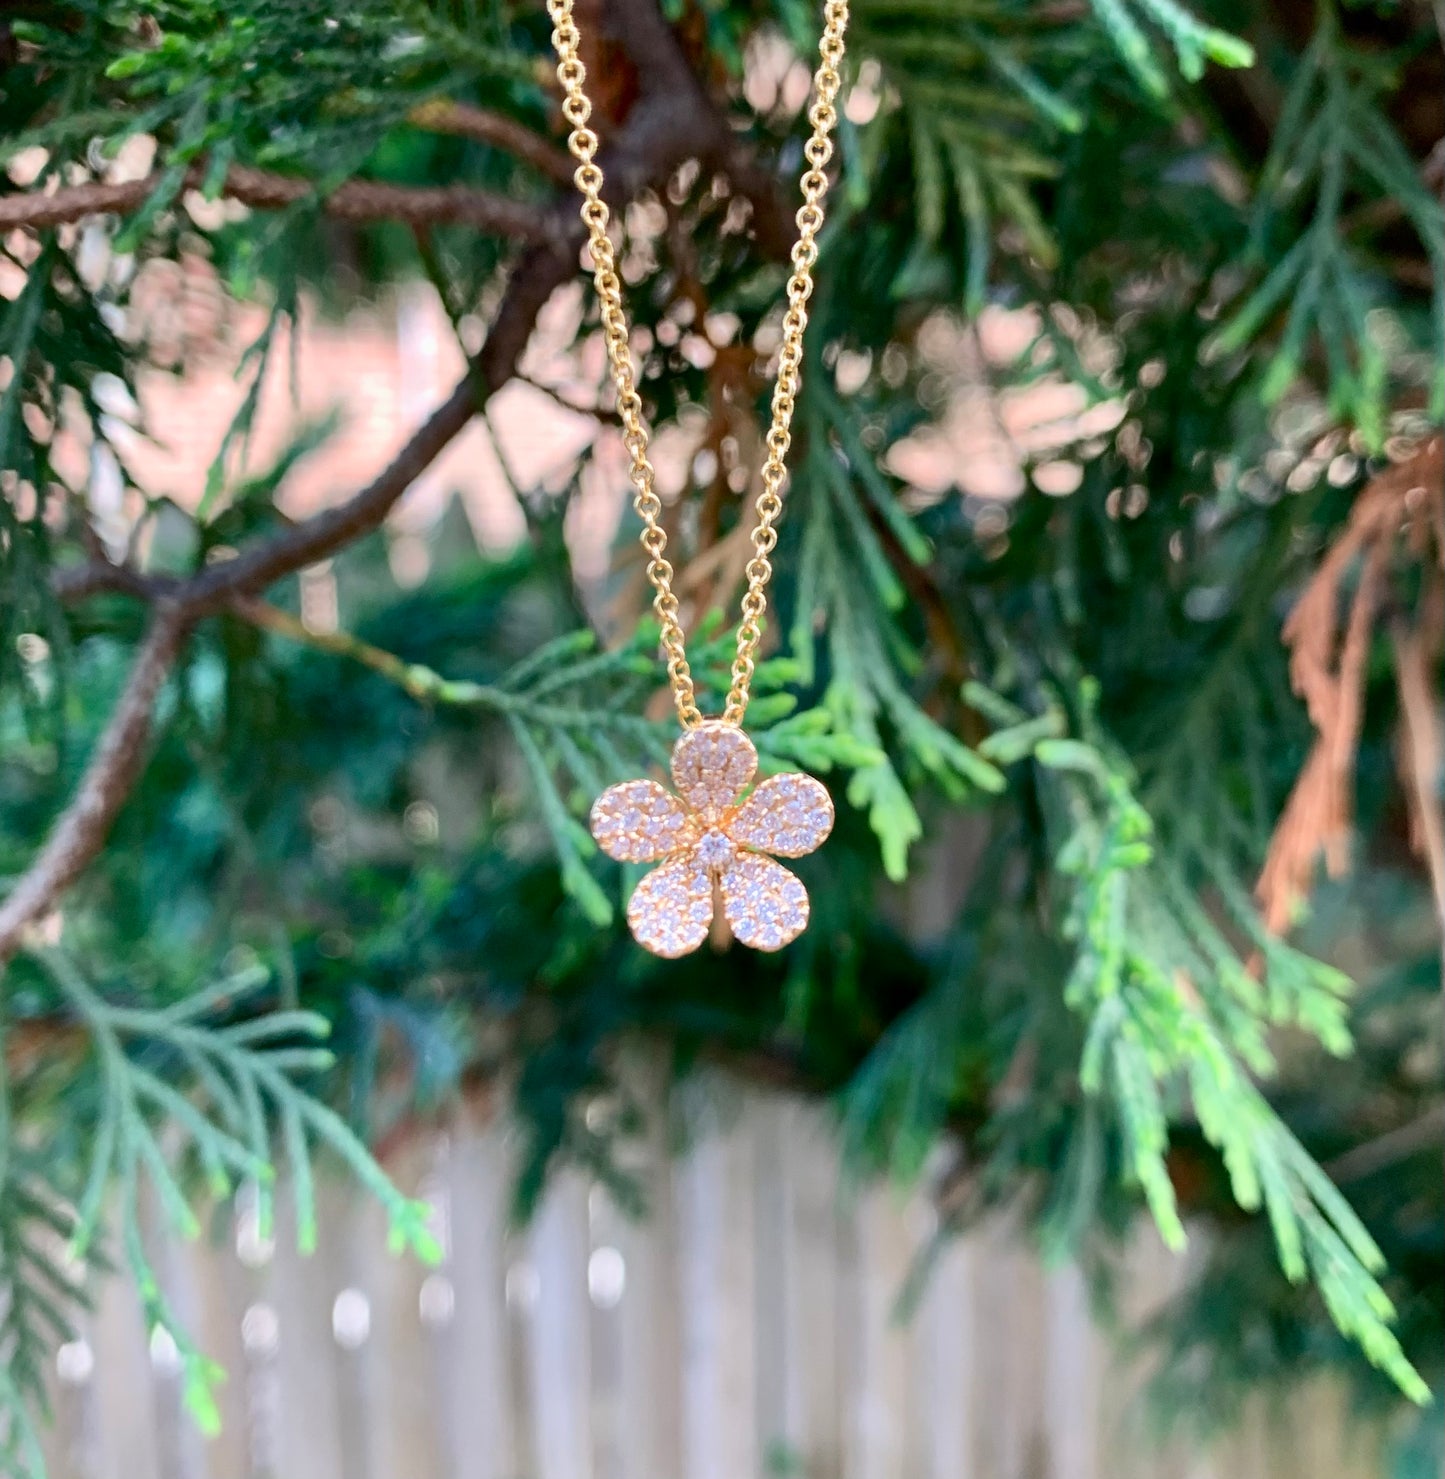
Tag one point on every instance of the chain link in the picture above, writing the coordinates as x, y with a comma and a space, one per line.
582, 141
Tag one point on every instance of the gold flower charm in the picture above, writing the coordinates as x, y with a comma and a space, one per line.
713, 840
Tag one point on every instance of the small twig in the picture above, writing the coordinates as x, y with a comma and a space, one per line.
482, 126
423, 684
102, 575
1390, 1148
595, 412
1425, 753
505, 467
357, 201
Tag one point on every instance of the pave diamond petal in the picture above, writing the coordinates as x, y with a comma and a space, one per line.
639, 822
788, 815
765, 904
711, 766
671, 909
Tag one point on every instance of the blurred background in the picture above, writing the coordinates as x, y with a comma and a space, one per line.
1095, 1127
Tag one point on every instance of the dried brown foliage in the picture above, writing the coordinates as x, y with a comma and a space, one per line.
1398, 523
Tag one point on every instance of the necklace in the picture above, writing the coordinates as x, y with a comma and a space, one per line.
715, 836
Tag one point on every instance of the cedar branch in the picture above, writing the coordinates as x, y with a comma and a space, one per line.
673, 121
1403, 504
356, 201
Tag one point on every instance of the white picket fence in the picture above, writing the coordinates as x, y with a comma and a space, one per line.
745, 1329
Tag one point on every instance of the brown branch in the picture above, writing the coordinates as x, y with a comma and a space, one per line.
672, 121
313, 539
119, 758
56, 208
1424, 752
298, 545
113, 769
102, 576
370, 200
356, 201
1390, 1148
498, 131
675, 120
1328, 669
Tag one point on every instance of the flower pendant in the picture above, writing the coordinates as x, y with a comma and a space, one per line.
714, 840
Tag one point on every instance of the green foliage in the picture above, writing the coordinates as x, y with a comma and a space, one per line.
1333, 146
57, 344
1172, 1011
841, 554
1391, 1183
38, 1300
1169, 1003
1005, 67
575, 714
1195, 43
180, 1072
307, 87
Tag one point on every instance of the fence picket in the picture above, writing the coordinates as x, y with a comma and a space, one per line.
482, 1433
811, 1381
403, 1435
69, 1440
561, 1346
876, 1412
717, 1279
746, 1328
1075, 1361
646, 1424
306, 1380
179, 1452
943, 1374
125, 1434
223, 1289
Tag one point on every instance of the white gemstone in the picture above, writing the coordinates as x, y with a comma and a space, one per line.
714, 849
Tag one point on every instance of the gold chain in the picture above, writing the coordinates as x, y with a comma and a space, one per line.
577, 109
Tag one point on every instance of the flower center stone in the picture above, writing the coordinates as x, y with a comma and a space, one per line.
714, 848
